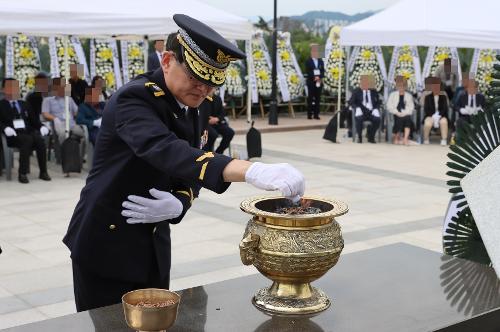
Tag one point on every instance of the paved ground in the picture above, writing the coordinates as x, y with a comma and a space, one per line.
395, 194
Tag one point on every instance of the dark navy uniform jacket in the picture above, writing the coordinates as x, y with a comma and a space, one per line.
145, 141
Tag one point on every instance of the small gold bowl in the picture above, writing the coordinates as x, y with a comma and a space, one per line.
147, 319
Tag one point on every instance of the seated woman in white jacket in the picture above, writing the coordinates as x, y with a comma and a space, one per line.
400, 104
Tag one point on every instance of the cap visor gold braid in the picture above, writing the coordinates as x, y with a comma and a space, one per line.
203, 71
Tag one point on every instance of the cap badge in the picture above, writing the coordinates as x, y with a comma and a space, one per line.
223, 58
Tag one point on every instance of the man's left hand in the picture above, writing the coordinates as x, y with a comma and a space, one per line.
213, 120
143, 210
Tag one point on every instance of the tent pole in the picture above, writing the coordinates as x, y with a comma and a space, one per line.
339, 95
145, 52
249, 87
347, 92
67, 89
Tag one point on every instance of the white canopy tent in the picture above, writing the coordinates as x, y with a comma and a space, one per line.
451, 23
122, 19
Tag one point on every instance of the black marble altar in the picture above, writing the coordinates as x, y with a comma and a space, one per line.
392, 288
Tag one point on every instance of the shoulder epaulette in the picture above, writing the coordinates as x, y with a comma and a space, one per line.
154, 88
209, 98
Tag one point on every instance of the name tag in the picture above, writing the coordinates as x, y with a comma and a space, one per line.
19, 124
316, 72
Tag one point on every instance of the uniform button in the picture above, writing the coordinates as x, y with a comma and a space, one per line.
112, 227
154, 230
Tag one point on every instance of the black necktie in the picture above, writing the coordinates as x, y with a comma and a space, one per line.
366, 96
14, 106
401, 104
471, 100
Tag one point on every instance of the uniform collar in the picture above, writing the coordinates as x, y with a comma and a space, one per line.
159, 79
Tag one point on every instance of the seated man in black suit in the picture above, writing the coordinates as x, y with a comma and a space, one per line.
469, 104
154, 58
23, 129
366, 103
435, 110
212, 111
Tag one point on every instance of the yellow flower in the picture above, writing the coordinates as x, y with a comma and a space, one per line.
285, 56
405, 48
281, 44
22, 38
294, 79
30, 83
336, 72
105, 54
335, 32
405, 57
366, 54
26, 53
134, 52
71, 52
441, 57
406, 74
486, 58
257, 55
139, 71
488, 78
110, 79
232, 72
263, 75
337, 54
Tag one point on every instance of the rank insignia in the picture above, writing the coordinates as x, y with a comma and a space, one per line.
155, 89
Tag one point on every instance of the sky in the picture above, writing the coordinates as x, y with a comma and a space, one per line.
254, 8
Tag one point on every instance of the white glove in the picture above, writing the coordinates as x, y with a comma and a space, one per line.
9, 132
282, 177
144, 210
436, 117
359, 112
376, 113
97, 122
44, 131
463, 111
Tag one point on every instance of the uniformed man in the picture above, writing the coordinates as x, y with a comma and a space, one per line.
148, 168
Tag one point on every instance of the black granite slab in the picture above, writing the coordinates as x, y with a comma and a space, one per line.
392, 288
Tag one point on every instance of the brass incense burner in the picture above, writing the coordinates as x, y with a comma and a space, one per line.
292, 250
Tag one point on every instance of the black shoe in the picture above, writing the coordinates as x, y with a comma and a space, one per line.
360, 140
372, 141
316, 117
44, 176
23, 178
309, 117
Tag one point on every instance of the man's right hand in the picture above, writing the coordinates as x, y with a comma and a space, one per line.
213, 120
282, 177
9, 132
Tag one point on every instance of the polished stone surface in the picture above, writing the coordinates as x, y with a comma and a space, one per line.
392, 288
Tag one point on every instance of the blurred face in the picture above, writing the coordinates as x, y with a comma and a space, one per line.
76, 71
436, 88
58, 87
185, 88
11, 90
100, 83
365, 82
92, 95
160, 45
401, 84
42, 85
472, 87
314, 51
